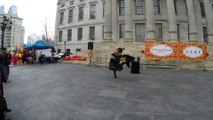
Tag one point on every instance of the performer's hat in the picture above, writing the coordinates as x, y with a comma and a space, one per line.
119, 49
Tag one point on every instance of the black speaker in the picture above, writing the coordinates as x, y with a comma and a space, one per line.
90, 45
135, 67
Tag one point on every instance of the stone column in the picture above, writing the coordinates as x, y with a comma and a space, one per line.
192, 21
150, 25
115, 20
198, 21
56, 37
172, 20
209, 18
128, 20
108, 21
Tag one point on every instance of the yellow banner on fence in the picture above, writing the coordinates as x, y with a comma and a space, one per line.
175, 51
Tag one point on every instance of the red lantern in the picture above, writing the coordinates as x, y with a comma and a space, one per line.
90, 54
142, 51
207, 54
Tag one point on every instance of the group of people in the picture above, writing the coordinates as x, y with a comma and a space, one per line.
30, 57
21, 57
5, 57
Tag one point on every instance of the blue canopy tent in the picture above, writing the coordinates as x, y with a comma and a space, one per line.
41, 45
26, 47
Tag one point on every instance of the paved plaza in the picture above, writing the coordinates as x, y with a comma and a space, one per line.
76, 92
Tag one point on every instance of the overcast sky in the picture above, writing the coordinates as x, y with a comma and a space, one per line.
33, 13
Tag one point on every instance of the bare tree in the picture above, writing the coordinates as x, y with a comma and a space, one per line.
32, 38
46, 29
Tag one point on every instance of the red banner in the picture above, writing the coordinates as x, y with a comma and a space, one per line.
175, 51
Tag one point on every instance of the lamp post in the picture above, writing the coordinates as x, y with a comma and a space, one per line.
65, 42
5, 24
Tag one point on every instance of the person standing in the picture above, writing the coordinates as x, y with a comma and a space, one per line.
19, 55
3, 102
5, 62
15, 59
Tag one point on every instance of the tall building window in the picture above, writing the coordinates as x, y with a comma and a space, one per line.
121, 7
60, 36
92, 33
70, 17
78, 50
81, 13
175, 5
156, 6
186, 7
71, 2
80, 33
139, 7
69, 35
140, 32
61, 18
205, 35
188, 32
58, 50
121, 30
203, 14
62, 5
68, 50
103, 31
92, 11
104, 8
212, 7
178, 32
159, 31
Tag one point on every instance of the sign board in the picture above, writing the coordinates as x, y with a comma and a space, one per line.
175, 51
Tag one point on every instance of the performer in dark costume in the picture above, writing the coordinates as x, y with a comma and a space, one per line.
118, 60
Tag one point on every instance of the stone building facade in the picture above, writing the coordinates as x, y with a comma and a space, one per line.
136, 21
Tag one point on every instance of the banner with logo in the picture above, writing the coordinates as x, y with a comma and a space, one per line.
175, 51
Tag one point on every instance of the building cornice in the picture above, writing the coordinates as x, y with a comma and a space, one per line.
93, 2
82, 5
62, 10
61, 1
80, 25
72, 7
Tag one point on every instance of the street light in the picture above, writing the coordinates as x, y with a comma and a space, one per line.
6, 23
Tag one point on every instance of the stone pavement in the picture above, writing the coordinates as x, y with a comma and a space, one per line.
75, 92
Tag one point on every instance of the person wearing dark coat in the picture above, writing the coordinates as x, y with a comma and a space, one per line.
5, 62
3, 103
4, 72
